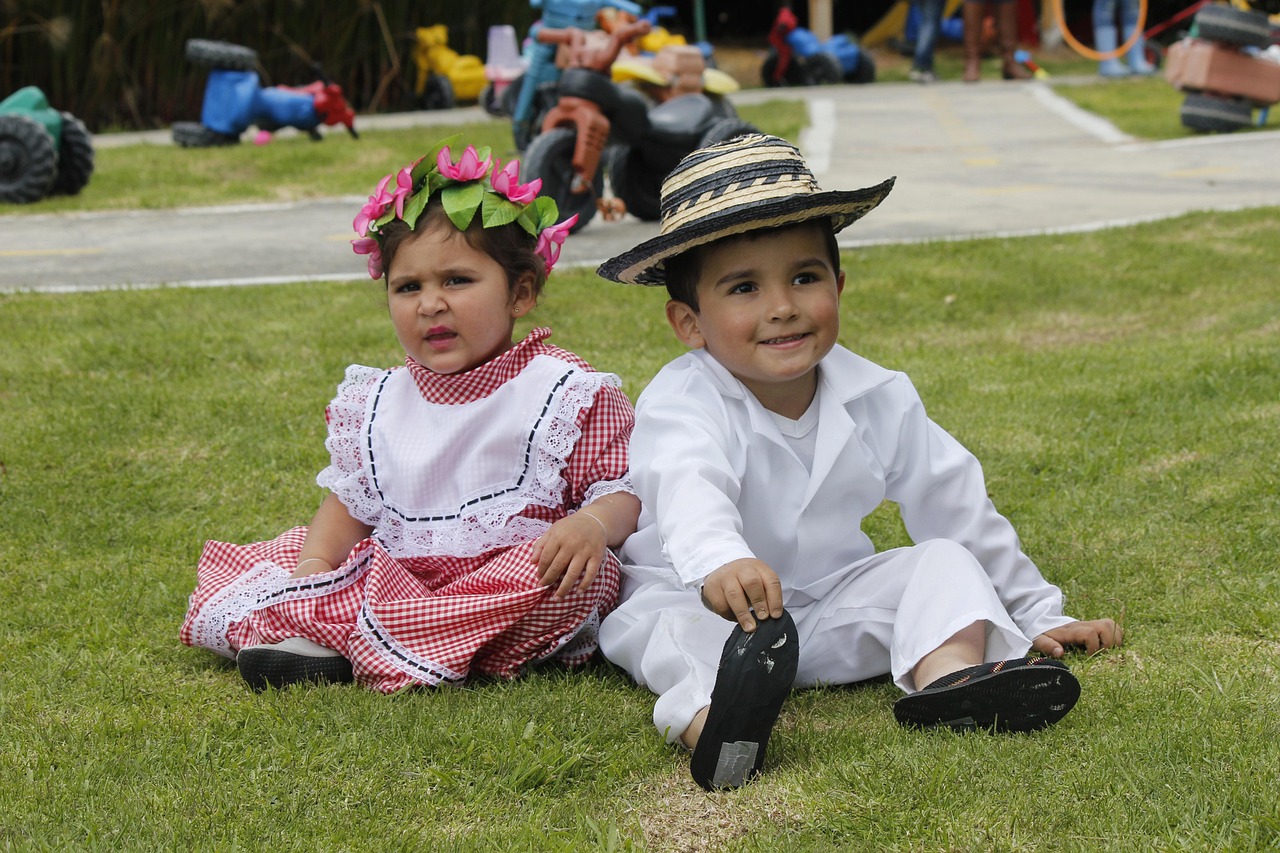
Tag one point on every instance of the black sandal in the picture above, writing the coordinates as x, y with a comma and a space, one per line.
1019, 695
756, 673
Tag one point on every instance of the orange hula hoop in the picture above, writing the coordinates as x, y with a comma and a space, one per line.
1090, 53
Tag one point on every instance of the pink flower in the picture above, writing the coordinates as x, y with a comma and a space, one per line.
369, 246
507, 182
551, 239
373, 208
469, 168
404, 189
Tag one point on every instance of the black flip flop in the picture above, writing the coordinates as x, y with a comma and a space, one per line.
756, 673
1020, 695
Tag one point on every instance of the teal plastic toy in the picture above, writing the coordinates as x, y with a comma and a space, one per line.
42, 151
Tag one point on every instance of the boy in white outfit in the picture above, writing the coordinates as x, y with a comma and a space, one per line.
757, 455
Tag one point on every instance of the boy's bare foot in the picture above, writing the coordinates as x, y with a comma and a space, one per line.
756, 673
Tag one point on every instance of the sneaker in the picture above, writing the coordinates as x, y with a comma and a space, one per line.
292, 661
756, 673
920, 75
1019, 695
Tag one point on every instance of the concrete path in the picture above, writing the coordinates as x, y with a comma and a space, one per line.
988, 159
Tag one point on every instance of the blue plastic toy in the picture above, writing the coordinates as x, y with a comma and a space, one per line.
797, 57
234, 99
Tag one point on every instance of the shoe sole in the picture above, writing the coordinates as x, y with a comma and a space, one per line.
756, 673
263, 668
1013, 700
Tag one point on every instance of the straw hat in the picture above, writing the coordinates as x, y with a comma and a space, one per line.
753, 181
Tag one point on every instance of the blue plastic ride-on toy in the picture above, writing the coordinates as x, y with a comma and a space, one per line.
234, 99
797, 57
42, 151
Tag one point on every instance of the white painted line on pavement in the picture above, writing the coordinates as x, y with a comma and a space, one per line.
1086, 121
817, 139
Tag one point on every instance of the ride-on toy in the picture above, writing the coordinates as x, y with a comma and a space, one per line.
445, 76
234, 99
42, 151
592, 111
797, 57
531, 100
1221, 70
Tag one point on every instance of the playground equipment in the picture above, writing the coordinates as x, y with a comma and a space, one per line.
645, 140
797, 57
1228, 67
531, 100
445, 77
234, 99
42, 151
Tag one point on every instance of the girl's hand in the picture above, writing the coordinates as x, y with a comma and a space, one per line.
1092, 636
572, 551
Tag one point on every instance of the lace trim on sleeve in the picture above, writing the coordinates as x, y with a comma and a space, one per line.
346, 475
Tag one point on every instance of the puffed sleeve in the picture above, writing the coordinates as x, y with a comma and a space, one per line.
598, 465
942, 494
347, 476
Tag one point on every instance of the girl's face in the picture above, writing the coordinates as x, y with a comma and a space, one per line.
450, 304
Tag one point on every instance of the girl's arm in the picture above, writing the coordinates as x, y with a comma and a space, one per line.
573, 549
332, 535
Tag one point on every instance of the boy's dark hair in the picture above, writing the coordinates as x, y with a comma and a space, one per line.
682, 270
510, 245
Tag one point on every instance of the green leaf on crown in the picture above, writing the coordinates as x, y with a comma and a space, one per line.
461, 201
498, 210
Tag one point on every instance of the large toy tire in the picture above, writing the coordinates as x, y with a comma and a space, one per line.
75, 157
726, 129
824, 69
438, 94
1239, 27
639, 188
550, 157
28, 160
221, 54
192, 134
1212, 114
795, 76
864, 71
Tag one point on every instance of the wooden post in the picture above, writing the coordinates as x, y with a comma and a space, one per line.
820, 18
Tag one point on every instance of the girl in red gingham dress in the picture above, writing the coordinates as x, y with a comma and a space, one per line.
474, 493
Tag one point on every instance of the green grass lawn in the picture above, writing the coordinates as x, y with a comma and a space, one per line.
1121, 388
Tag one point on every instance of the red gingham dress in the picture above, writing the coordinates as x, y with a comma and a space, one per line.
445, 585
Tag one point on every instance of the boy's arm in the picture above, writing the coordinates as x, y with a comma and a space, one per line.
686, 470
942, 494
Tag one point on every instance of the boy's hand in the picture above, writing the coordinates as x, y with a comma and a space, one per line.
1093, 636
572, 550
737, 588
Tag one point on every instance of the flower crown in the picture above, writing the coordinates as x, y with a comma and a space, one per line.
501, 200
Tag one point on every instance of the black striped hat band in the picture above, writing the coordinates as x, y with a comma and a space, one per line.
741, 185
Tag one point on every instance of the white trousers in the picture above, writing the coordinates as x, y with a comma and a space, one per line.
879, 615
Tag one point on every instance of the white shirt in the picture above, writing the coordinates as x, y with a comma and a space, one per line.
719, 482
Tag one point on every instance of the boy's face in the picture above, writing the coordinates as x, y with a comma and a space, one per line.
768, 311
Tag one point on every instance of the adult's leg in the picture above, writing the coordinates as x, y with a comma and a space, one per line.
926, 38
1105, 38
1007, 33
974, 13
